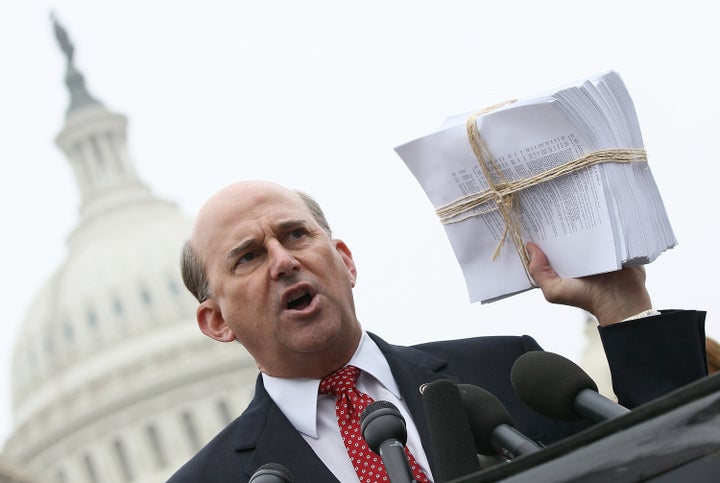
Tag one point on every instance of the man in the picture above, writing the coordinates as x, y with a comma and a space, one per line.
263, 264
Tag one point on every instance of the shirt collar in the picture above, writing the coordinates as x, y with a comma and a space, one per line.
297, 398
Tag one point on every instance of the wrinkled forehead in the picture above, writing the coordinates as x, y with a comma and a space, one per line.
242, 204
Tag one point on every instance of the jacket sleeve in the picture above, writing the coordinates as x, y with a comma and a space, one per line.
654, 355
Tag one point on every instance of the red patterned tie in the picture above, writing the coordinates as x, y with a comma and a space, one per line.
349, 406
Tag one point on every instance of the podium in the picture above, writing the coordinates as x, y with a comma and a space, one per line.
671, 439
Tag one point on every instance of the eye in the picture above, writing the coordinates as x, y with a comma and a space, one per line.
298, 233
246, 258
296, 237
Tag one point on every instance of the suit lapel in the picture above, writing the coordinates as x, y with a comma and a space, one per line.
280, 443
269, 437
412, 368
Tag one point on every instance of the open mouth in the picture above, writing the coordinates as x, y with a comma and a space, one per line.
300, 302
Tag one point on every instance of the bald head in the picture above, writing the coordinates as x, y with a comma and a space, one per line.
267, 274
215, 212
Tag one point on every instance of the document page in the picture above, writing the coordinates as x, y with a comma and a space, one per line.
592, 220
525, 140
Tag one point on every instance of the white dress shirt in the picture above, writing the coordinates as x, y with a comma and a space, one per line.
313, 414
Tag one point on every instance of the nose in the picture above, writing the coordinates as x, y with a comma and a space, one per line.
282, 262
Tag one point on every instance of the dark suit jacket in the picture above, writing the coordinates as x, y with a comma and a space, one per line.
648, 357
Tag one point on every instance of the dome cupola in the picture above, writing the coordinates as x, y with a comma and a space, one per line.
112, 380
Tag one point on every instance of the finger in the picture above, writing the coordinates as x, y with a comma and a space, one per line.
539, 267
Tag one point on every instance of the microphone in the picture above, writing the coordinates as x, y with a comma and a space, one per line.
492, 426
452, 442
559, 388
272, 473
383, 429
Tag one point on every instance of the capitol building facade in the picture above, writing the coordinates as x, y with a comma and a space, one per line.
112, 380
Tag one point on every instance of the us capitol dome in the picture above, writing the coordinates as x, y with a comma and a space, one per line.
112, 380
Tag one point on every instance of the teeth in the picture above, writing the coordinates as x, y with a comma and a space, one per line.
301, 299
294, 297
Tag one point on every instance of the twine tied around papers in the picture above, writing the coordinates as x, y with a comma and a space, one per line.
504, 193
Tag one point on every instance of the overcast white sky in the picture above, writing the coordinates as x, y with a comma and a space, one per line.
315, 95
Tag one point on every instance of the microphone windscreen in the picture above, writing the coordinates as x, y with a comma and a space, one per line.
272, 473
485, 412
453, 448
381, 421
374, 406
549, 383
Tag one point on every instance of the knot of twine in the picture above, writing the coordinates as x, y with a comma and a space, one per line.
504, 193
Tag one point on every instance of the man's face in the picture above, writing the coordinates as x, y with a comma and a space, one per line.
278, 283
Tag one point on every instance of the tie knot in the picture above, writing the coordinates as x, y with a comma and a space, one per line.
340, 380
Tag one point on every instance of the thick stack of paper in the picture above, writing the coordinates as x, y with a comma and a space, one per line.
591, 221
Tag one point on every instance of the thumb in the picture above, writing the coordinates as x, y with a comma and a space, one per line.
539, 268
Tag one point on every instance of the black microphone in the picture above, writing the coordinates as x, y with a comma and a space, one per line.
492, 426
272, 473
384, 430
453, 448
559, 388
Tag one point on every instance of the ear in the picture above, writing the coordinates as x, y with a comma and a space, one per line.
347, 259
211, 322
